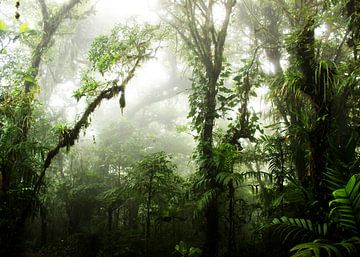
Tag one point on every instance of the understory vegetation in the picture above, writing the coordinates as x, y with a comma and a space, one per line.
215, 128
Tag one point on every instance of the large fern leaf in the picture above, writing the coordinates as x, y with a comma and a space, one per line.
322, 248
334, 179
205, 201
298, 230
225, 178
346, 206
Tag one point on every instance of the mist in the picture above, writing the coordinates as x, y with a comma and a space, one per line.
179, 128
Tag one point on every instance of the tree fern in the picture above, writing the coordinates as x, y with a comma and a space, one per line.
225, 178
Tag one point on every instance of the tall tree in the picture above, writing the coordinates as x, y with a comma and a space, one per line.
22, 154
204, 38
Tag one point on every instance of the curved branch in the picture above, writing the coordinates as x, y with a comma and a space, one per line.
71, 136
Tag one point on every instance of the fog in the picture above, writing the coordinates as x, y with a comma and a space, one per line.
156, 98
179, 128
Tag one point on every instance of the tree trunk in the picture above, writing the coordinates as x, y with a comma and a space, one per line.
43, 221
231, 209
148, 218
110, 219
208, 169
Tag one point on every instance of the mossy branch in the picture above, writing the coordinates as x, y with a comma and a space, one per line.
72, 135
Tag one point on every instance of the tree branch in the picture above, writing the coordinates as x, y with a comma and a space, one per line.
50, 26
71, 136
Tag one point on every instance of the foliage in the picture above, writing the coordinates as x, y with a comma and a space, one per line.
116, 56
133, 191
343, 219
345, 211
186, 251
319, 248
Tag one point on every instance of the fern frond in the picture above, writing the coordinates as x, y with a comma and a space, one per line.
315, 248
255, 175
334, 179
225, 178
298, 230
346, 206
205, 201
321, 248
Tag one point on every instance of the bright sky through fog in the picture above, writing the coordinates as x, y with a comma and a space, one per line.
116, 11
143, 10
153, 73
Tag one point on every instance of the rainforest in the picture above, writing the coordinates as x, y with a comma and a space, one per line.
180, 128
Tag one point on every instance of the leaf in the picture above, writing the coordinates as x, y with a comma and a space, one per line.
24, 27
29, 79
194, 252
346, 205
339, 193
181, 247
3, 25
350, 185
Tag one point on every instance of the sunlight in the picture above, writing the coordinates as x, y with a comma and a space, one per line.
142, 10
212, 128
219, 14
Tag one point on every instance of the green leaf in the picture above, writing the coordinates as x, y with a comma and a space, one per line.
350, 185
194, 252
29, 79
24, 27
181, 248
2, 25
340, 200
340, 193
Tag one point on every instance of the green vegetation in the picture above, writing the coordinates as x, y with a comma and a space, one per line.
221, 128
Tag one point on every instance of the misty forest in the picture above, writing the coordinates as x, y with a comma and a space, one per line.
179, 128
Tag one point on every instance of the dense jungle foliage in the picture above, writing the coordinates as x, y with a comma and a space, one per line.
214, 128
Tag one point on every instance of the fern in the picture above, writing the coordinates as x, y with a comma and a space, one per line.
346, 205
205, 200
319, 247
345, 213
225, 178
298, 230
334, 179
258, 174
344, 162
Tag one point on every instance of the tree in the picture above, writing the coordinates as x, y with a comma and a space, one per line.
22, 152
194, 22
154, 179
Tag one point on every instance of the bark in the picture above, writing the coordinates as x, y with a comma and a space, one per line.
231, 210
43, 221
51, 24
319, 89
110, 219
148, 214
133, 213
